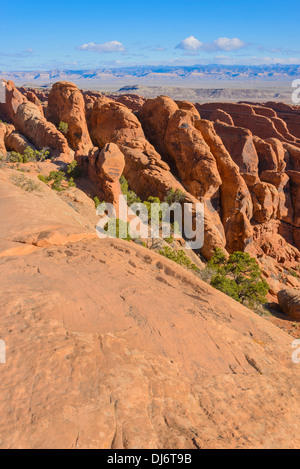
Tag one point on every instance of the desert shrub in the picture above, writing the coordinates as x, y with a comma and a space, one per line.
157, 212
116, 228
25, 184
132, 198
73, 170
29, 155
293, 273
179, 257
71, 182
56, 179
63, 127
97, 202
239, 276
175, 197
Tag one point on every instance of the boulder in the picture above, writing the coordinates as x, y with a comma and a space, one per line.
106, 170
289, 301
292, 157
266, 155
3, 133
18, 143
107, 118
39, 131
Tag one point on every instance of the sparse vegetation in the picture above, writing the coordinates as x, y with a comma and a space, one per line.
179, 257
239, 276
97, 202
25, 184
29, 156
73, 170
63, 127
132, 198
293, 273
175, 197
60, 180
116, 228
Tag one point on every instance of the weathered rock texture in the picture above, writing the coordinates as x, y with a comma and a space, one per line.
66, 104
127, 349
13, 100
106, 169
30, 122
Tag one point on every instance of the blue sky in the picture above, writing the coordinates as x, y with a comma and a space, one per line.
95, 34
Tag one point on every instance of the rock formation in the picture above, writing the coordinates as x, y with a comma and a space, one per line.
289, 301
38, 130
106, 169
13, 100
66, 104
241, 160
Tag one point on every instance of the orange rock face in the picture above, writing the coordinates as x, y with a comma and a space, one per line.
106, 169
258, 120
66, 104
13, 100
108, 118
38, 130
154, 116
195, 163
32, 97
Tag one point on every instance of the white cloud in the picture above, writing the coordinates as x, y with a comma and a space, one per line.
221, 44
107, 47
190, 43
224, 43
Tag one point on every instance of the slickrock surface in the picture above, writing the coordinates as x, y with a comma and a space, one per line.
110, 345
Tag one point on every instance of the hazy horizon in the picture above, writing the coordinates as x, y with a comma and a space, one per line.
68, 35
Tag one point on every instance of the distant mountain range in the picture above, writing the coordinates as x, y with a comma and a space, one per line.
158, 74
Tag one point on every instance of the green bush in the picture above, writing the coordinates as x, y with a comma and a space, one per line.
179, 257
56, 178
116, 228
97, 202
73, 170
293, 273
63, 127
29, 155
132, 198
175, 197
239, 276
